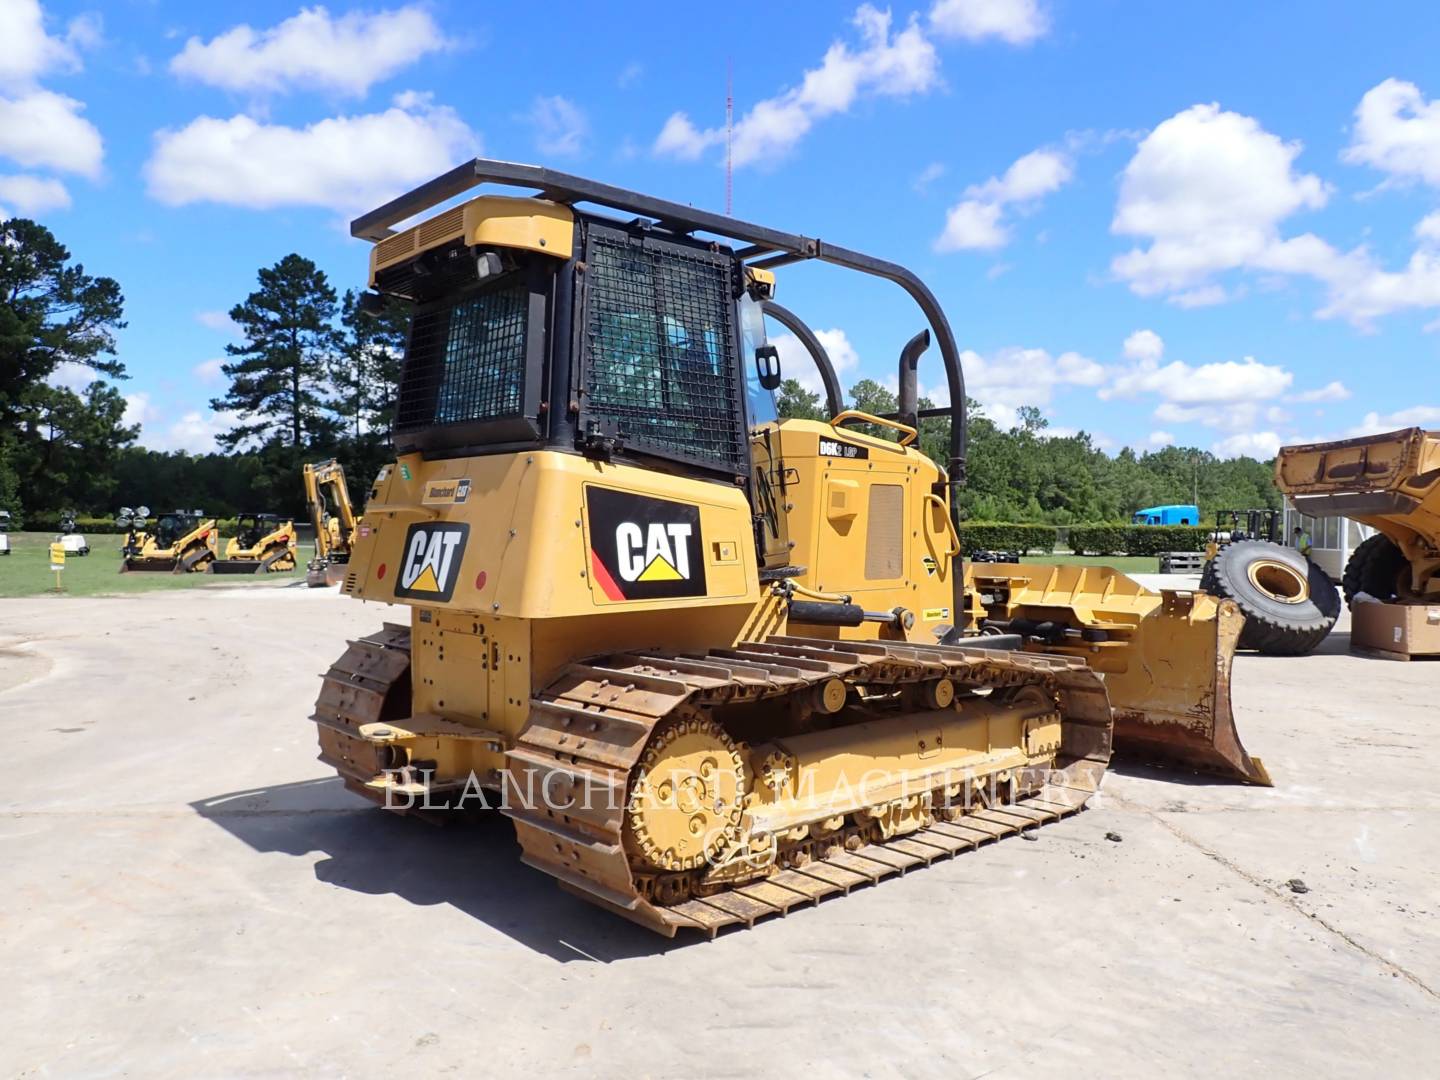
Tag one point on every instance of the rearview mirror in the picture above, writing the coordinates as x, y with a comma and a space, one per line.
767, 366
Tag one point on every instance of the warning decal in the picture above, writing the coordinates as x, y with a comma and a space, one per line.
643, 548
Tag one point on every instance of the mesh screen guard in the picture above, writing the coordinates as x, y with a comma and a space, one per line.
466, 360
660, 364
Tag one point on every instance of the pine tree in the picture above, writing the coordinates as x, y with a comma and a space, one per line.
51, 312
278, 379
367, 367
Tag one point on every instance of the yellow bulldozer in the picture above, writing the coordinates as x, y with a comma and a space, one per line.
713, 664
184, 542
1390, 482
262, 544
333, 516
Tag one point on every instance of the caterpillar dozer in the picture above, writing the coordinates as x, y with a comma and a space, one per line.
713, 664
1390, 482
334, 532
184, 542
262, 544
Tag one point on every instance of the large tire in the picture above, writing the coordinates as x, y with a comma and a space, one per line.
1375, 568
1289, 603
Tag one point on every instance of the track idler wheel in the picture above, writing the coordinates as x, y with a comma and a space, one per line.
687, 797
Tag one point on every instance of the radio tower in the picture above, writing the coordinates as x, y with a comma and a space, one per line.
729, 132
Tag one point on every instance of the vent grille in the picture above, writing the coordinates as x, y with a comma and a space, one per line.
395, 247
466, 361
660, 348
440, 228
885, 533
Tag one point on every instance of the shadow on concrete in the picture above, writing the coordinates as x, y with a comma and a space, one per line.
472, 863
1147, 768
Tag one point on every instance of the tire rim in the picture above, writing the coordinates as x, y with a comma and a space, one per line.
1279, 581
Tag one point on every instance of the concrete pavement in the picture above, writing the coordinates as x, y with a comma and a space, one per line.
190, 893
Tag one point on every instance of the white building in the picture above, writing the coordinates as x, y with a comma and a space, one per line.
1332, 538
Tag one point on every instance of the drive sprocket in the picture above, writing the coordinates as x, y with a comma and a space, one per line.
687, 797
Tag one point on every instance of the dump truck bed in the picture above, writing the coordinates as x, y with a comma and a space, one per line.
1390, 478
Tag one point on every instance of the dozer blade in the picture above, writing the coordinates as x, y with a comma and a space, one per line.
1165, 656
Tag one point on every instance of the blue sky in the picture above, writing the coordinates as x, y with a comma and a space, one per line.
1208, 224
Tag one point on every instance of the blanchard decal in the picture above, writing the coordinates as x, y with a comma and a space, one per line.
643, 548
430, 560
446, 492
836, 448
930, 614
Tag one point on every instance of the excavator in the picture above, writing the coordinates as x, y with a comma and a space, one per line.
714, 665
262, 544
184, 542
334, 532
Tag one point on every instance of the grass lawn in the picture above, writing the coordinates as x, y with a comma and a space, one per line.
1129, 564
26, 571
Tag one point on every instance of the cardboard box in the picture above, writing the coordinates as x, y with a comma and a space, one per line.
1397, 630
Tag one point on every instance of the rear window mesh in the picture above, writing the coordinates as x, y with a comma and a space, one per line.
660, 348
466, 361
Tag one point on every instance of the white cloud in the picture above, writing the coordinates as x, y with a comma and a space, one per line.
972, 225
139, 410
928, 176
31, 195
41, 129
1014, 376
1398, 132
346, 162
68, 375
1206, 384
629, 75
795, 362
887, 65
218, 321
559, 124
27, 52
1424, 416
1161, 438
680, 138
208, 371
1208, 189
1144, 345
346, 54
1017, 22
1256, 444
975, 222
1331, 391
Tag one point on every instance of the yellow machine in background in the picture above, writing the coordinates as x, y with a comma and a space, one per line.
712, 664
262, 544
183, 542
1390, 482
333, 516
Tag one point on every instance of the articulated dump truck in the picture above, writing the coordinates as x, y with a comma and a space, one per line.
713, 664
1390, 482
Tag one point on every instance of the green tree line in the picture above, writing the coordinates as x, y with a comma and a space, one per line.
1026, 475
312, 377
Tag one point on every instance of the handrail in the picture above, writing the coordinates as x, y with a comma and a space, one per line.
909, 433
930, 496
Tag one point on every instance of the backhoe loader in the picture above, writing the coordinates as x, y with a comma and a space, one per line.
714, 665
262, 544
325, 487
1390, 482
184, 542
